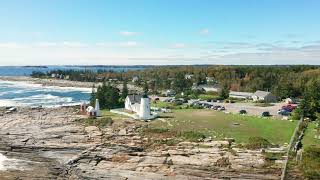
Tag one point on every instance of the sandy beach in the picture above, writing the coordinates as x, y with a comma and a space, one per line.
62, 83
48, 82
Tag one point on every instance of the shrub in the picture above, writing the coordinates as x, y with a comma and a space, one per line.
206, 97
100, 122
191, 135
257, 143
156, 130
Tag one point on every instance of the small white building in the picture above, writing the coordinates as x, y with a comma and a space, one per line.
264, 96
140, 104
135, 79
91, 111
188, 76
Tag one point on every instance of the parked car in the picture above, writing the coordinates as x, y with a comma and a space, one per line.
216, 107
289, 107
242, 111
284, 112
221, 108
265, 114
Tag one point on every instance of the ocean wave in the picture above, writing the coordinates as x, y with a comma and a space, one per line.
40, 87
45, 100
29, 94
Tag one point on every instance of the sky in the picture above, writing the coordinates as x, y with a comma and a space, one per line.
159, 32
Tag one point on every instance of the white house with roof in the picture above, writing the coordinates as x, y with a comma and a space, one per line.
139, 104
264, 96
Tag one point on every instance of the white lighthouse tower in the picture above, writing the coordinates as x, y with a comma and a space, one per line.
144, 112
97, 108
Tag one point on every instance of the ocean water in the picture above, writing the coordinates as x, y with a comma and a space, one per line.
26, 71
28, 94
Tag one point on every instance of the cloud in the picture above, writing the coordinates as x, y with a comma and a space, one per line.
128, 33
129, 52
11, 45
204, 31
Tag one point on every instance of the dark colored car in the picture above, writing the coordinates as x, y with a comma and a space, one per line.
284, 112
242, 111
216, 107
265, 114
289, 107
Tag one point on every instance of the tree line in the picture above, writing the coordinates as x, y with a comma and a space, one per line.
283, 81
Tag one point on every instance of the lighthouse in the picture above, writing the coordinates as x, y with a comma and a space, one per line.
144, 112
97, 108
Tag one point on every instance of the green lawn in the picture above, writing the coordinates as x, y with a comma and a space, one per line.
310, 164
161, 104
308, 139
222, 125
205, 97
114, 116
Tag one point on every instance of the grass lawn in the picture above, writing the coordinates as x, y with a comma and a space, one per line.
161, 104
221, 125
205, 97
310, 164
114, 116
308, 139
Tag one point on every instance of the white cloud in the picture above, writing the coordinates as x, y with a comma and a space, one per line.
128, 33
11, 45
204, 31
66, 52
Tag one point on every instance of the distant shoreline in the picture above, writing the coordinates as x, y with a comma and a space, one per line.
48, 82
61, 83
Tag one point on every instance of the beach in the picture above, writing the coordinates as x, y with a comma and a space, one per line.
48, 82
62, 83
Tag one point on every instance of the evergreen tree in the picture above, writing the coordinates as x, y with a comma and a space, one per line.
124, 90
224, 92
109, 96
145, 87
93, 96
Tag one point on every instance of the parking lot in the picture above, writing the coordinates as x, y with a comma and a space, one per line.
251, 108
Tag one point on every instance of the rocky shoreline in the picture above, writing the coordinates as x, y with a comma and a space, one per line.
55, 144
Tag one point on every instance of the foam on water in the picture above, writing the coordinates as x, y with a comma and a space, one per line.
29, 94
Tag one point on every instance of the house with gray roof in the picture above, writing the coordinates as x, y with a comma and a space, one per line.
265, 96
240, 95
